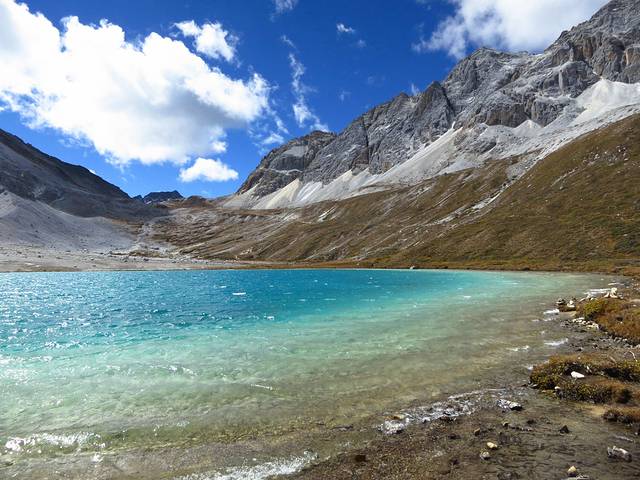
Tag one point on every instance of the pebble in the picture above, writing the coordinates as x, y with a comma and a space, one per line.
509, 405
392, 427
492, 446
485, 455
619, 453
573, 471
564, 429
576, 375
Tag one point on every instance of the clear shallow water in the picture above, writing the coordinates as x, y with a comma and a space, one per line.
95, 364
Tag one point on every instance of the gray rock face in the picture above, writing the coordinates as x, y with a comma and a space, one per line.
286, 163
486, 88
154, 198
33, 175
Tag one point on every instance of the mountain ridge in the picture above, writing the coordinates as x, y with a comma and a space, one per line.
33, 175
487, 88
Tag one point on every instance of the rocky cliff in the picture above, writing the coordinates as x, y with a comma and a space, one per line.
30, 174
488, 88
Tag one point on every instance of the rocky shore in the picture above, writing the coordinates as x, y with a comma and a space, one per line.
584, 422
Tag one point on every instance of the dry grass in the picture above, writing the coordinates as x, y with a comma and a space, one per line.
608, 379
619, 318
596, 390
623, 415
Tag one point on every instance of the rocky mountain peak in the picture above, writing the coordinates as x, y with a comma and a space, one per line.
487, 88
286, 163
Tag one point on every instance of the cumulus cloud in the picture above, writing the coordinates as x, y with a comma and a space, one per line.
150, 100
301, 111
284, 5
210, 39
513, 25
209, 170
342, 28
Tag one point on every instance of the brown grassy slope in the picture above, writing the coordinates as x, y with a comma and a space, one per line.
365, 227
581, 203
578, 208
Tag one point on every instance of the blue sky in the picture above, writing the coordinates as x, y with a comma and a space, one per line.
348, 55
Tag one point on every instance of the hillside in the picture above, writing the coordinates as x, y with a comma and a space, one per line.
33, 175
576, 208
50, 203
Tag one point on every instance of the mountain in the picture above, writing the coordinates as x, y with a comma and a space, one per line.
50, 203
514, 160
487, 96
577, 208
33, 175
154, 198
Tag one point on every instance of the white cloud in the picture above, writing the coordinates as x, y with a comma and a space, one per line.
301, 111
210, 39
344, 94
151, 100
513, 25
284, 5
209, 170
287, 41
342, 28
272, 139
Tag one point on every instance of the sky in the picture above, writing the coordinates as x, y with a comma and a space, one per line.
157, 95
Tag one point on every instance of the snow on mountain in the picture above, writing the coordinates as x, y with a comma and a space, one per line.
493, 105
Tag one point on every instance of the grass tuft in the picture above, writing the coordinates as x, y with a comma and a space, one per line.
625, 415
619, 318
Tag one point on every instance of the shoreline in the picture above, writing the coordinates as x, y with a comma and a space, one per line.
544, 439
31, 258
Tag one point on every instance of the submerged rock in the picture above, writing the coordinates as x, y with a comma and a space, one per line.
509, 405
392, 427
618, 453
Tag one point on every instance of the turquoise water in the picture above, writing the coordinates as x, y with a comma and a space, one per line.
99, 364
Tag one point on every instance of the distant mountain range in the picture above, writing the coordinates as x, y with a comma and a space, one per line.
513, 160
155, 198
